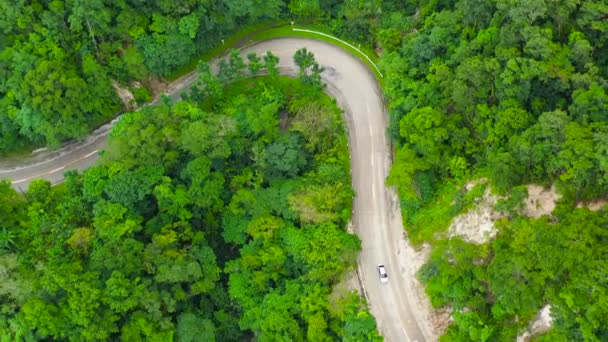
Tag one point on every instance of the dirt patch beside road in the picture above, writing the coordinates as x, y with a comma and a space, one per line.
411, 260
125, 95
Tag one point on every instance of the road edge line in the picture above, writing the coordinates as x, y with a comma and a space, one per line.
343, 42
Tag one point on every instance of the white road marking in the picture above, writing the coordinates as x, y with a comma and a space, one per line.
90, 154
55, 170
345, 43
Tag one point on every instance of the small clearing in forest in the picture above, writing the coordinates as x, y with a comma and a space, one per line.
477, 224
540, 201
540, 325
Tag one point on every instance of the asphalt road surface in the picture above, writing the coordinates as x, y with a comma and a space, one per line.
376, 217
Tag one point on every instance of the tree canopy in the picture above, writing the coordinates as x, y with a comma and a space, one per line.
191, 227
515, 92
60, 60
227, 210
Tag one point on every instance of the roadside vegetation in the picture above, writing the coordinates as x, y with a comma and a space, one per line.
515, 93
58, 59
220, 217
302, 30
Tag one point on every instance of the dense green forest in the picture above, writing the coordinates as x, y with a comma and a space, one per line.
513, 91
232, 194
216, 218
58, 59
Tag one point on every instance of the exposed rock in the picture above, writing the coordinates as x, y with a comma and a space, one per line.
540, 325
594, 205
543, 322
540, 201
477, 224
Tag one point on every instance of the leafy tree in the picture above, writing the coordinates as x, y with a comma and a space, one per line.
403, 172
10, 212
231, 69
254, 64
209, 136
165, 52
304, 59
90, 16
316, 204
590, 105
315, 122
208, 82
190, 327
271, 64
146, 137
255, 9
285, 157
306, 8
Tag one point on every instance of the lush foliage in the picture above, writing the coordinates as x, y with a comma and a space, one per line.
517, 89
514, 91
220, 219
496, 289
58, 59
241, 185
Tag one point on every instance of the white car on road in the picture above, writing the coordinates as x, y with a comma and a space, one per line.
382, 273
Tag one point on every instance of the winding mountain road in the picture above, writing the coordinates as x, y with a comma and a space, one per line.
376, 217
